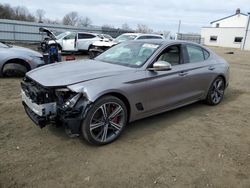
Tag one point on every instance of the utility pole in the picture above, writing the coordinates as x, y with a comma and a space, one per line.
179, 26
246, 32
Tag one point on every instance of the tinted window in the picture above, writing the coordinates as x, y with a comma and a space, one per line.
213, 38
238, 39
85, 36
171, 55
149, 37
195, 54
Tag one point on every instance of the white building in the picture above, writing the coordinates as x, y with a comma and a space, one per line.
228, 32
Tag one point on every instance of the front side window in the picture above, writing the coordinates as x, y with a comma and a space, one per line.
195, 54
70, 36
171, 55
129, 54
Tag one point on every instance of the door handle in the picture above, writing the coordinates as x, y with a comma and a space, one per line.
183, 73
211, 68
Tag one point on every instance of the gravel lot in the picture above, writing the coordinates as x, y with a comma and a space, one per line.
195, 146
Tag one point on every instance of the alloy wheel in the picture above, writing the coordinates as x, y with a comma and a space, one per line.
107, 122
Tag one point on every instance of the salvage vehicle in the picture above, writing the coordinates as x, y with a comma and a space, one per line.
130, 81
100, 46
16, 61
72, 41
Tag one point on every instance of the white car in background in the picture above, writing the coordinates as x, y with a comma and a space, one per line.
75, 41
102, 45
71, 41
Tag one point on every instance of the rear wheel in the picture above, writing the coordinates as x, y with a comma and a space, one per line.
105, 121
216, 91
14, 69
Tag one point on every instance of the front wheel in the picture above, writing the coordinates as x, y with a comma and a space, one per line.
216, 91
105, 121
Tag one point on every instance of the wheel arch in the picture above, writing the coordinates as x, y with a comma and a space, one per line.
17, 61
123, 98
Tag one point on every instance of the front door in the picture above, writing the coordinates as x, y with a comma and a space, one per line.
69, 42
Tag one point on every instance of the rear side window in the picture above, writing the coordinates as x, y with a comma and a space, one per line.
196, 54
85, 36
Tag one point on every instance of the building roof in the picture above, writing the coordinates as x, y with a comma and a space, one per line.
227, 17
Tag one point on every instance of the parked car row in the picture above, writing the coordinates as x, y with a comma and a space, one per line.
16, 61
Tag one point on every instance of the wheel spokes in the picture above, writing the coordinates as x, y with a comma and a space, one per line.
115, 112
96, 125
104, 111
104, 134
115, 125
107, 121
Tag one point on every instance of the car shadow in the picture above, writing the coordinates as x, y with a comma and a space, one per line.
152, 124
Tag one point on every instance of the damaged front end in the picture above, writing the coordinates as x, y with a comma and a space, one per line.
58, 106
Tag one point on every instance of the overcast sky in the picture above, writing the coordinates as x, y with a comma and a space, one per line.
157, 14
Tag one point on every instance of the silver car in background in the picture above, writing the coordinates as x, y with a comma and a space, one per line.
132, 80
16, 61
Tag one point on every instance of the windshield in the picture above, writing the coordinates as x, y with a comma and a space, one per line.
128, 54
3, 45
123, 38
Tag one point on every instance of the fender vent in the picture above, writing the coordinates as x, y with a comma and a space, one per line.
139, 106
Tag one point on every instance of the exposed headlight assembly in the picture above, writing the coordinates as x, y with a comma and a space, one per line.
72, 101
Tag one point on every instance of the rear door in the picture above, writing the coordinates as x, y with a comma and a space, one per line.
199, 71
84, 40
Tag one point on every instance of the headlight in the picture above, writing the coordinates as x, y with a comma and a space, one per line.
72, 101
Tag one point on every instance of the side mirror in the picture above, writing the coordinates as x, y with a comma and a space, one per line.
161, 66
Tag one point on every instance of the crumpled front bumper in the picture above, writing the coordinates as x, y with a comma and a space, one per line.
50, 113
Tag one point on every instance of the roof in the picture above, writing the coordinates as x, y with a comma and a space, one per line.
227, 17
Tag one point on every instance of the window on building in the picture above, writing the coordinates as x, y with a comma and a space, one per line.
238, 39
213, 38
217, 25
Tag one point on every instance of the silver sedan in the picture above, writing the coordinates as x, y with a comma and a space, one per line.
133, 80
15, 61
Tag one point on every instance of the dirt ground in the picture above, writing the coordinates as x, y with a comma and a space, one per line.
195, 146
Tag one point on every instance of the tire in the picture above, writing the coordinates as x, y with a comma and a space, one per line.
14, 69
105, 121
216, 91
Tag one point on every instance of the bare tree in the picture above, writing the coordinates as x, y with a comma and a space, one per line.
40, 15
85, 22
142, 28
125, 26
71, 19
6, 12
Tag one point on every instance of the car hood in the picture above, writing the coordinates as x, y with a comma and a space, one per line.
24, 51
72, 72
